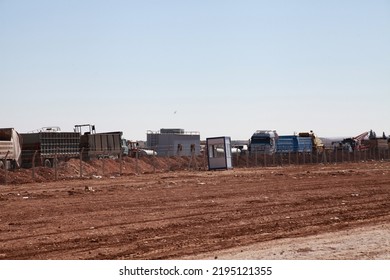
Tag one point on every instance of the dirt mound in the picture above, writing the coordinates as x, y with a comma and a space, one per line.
71, 169
107, 167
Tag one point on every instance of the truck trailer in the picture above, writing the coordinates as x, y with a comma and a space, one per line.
100, 145
318, 145
294, 143
49, 145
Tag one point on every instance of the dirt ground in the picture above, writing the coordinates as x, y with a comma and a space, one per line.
314, 211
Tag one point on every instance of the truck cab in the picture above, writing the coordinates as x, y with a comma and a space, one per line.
125, 147
263, 141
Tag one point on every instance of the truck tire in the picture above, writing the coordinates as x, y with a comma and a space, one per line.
47, 163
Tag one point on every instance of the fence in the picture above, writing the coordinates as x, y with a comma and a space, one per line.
59, 166
33, 159
109, 165
258, 159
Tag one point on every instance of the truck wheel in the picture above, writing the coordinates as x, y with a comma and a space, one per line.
47, 163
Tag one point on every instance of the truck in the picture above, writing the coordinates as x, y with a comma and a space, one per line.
317, 144
48, 145
100, 145
376, 143
263, 141
352, 144
10, 148
294, 143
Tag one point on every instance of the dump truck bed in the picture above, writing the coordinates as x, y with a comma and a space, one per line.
10, 146
101, 145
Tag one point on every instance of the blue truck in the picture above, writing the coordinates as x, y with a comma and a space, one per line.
293, 143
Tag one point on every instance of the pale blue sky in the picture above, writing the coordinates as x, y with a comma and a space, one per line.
225, 67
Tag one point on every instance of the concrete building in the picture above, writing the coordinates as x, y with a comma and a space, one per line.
174, 142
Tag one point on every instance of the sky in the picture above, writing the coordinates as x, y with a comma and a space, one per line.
219, 67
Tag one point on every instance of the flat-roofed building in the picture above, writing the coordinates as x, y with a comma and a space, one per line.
174, 142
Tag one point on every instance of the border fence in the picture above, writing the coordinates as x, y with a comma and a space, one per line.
177, 159
328, 156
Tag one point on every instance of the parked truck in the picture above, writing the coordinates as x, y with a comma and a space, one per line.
263, 141
10, 148
352, 143
99, 145
376, 143
294, 143
317, 144
48, 145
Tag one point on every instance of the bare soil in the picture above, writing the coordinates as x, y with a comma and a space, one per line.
313, 211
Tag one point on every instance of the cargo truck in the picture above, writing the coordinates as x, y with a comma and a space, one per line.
100, 145
294, 143
318, 145
376, 143
49, 145
352, 144
10, 148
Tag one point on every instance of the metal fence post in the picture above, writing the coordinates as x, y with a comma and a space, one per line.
169, 160
324, 160
5, 171
154, 160
330, 156
5, 168
81, 162
120, 163
55, 165
204, 158
136, 162
33, 165
256, 158
189, 161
